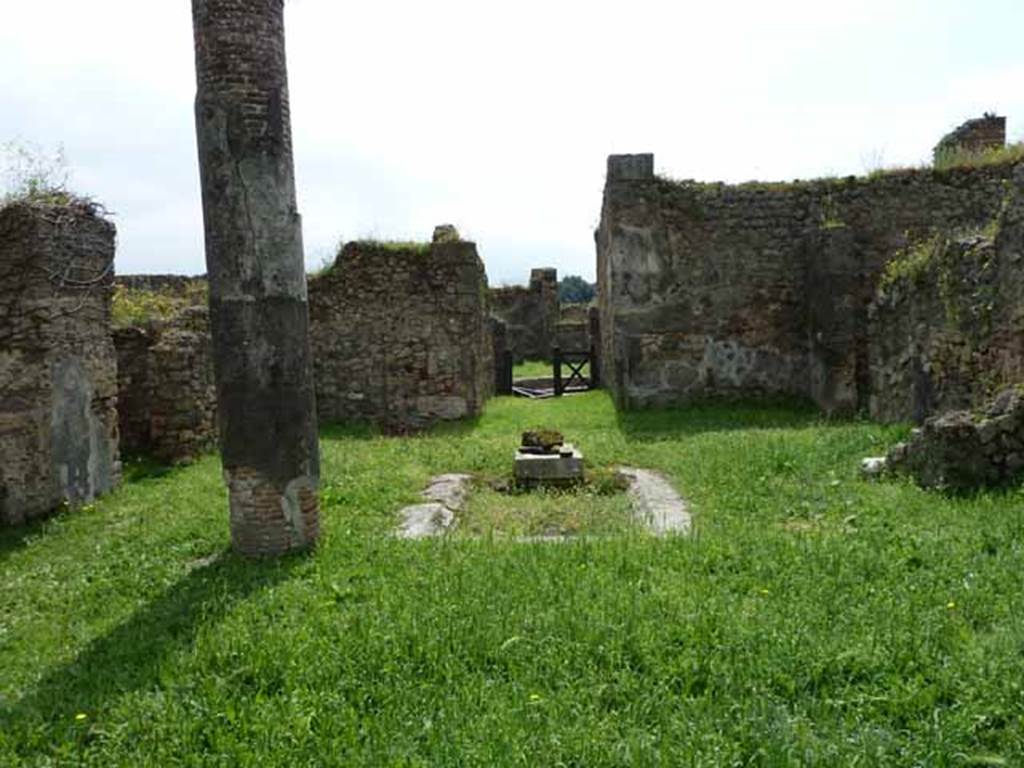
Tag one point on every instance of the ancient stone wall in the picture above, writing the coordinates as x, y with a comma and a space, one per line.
762, 289
977, 135
167, 398
174, 284
572, 331
966, 450
58, 386
946, 327
530, 314
401, 336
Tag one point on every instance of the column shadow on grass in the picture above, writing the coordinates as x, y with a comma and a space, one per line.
357, 431
129, 657
667, 423
13, 539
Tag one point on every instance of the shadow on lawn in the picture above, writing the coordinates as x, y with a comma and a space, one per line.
136, 468
13, 539
459, 428
130, 656
668, 423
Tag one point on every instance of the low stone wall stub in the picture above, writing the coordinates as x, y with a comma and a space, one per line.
167, 398
401, 337
965, 450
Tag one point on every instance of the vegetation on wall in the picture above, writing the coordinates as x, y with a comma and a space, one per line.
130, 306
369, 245
34, 174
913, 262
961, 157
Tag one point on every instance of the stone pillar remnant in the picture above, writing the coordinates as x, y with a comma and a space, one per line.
58, 370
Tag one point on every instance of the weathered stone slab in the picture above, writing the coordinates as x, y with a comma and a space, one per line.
451, 490
422, 521
873, 466
563, 467
445, 495
655, 502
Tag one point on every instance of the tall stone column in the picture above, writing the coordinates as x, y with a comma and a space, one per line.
258, 306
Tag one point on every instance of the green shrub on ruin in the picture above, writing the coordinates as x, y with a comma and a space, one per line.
32, 174
911, 263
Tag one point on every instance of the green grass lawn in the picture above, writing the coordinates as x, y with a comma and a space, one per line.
532, 369
539, 369
812, 619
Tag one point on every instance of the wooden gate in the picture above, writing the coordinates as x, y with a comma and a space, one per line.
568, 371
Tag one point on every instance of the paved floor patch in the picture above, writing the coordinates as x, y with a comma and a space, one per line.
656, 503
445, 495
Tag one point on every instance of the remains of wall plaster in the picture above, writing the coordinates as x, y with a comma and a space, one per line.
401, 336
58, 387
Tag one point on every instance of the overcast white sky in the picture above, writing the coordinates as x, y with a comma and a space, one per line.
498, 117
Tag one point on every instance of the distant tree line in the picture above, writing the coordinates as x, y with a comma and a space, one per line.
573, 289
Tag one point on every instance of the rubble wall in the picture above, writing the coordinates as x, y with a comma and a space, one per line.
401, 335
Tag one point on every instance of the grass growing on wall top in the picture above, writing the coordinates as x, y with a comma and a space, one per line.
959, 159
371, 245
399, 246
813, 619
131, 306
965, 158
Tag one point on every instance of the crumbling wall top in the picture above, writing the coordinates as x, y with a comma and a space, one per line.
638, 167
976, 135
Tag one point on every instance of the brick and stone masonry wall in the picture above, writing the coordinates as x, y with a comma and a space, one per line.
760, 289
946, 327
530, 314
572, 331
401, 336
167, 398
979, 134
173, 284
58, 386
